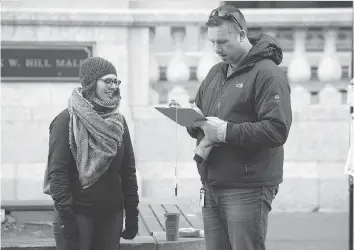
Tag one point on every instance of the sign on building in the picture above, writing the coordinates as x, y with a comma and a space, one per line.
32, 62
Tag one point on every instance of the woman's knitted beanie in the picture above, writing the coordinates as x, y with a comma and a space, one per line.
93, 68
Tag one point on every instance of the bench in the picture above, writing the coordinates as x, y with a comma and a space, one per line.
151, 213
26, 205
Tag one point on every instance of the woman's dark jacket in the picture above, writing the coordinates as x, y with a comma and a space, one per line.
115, 189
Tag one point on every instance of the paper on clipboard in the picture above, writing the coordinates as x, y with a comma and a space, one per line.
186, 117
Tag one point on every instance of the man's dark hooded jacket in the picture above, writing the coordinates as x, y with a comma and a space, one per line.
255, 101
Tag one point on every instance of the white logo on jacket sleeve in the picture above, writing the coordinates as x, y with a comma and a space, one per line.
239, 85
276, 97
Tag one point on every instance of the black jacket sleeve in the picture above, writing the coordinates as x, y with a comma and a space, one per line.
130, 186
274, 115
59, 162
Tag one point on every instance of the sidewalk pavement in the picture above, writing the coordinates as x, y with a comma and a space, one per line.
308, 231
286, 230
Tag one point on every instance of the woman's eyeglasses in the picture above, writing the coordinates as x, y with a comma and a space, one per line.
220, 12
109, 82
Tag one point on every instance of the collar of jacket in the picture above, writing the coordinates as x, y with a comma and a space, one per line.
263, 47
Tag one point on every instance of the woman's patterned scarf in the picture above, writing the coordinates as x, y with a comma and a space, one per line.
95, 133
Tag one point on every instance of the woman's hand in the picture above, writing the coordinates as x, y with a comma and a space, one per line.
131, 227
70, 230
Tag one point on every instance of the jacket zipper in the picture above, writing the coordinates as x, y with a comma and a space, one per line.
206, 179
221, 91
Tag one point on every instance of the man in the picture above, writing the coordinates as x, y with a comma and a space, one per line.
246, 99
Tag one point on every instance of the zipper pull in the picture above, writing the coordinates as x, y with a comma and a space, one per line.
246, 169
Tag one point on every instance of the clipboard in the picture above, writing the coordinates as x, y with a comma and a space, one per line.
186, 117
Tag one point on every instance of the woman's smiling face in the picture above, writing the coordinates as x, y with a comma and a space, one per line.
106, 87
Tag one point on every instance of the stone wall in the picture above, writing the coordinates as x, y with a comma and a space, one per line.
314, 154
27, 108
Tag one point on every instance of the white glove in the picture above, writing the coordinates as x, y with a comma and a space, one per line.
214, 129
204, 148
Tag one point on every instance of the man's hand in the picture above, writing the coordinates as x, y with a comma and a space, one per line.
214, 129
202, 150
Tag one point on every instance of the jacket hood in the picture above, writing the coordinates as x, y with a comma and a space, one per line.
264, 47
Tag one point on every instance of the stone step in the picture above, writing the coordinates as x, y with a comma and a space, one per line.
139, 243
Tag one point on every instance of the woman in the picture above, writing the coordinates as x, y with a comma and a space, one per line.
91, 165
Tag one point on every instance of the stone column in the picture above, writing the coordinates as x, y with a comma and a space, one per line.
330, 70
138, 57
208, 58
154, 73
177, 68
299, 70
